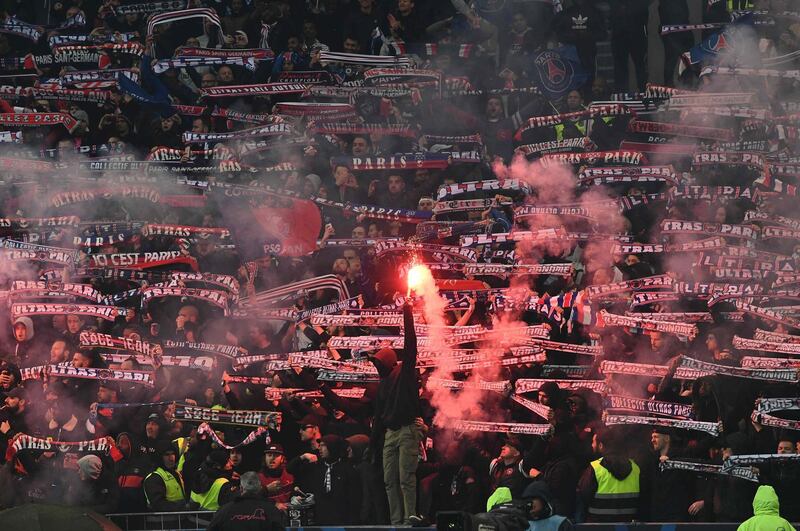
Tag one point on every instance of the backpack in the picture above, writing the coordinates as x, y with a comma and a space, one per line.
512, 516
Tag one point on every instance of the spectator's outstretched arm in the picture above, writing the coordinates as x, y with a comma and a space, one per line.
409, 340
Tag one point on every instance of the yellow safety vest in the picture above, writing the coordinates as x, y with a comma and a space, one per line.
748, 5
183, 446
174, 487
579, 125
210, 499
616, 500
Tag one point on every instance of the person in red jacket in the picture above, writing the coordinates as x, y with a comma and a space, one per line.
276, 480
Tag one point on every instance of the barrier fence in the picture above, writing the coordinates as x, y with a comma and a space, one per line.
177, 521
194, 520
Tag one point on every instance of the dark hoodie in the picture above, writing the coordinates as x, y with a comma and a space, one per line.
334, 482
546, 520
397, 403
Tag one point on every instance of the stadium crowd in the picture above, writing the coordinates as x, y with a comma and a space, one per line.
213, 213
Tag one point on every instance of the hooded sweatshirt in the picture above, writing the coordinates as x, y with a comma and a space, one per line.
766, 515
397, 403
547, 520
22, 349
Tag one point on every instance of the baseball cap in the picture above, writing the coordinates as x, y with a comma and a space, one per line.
274, 448
17, 392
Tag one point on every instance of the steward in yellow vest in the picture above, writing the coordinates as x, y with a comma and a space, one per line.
163, 488
211, 488
610, 487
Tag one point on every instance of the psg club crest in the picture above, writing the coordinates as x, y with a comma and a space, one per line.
559, 71
554, 72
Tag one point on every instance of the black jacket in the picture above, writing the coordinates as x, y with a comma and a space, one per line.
397, 403
247, 513
340, 506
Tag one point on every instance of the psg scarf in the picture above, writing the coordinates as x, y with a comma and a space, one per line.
68, 371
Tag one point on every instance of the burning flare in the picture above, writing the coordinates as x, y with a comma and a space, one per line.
418, 276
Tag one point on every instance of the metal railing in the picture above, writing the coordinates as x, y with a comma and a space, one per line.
177, 521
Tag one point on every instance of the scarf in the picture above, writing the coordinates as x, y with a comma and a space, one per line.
264, 89
690, 131
205, 429
203, 363
772, 375
645, 248
38, 118
107, 313
599, 291
268, 419
491, 185
146, 378
327, 57
339, 128
712, 428
681, 329
228, 351
207, 14
398, 161
22, 289
756, 344
215, 297
745, 473
499, 427
23, 442
526, 385
656, 407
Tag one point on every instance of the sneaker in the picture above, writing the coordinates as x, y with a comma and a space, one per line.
416, 520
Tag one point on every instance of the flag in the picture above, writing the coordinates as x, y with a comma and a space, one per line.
264, 224
558, 71
726, 42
